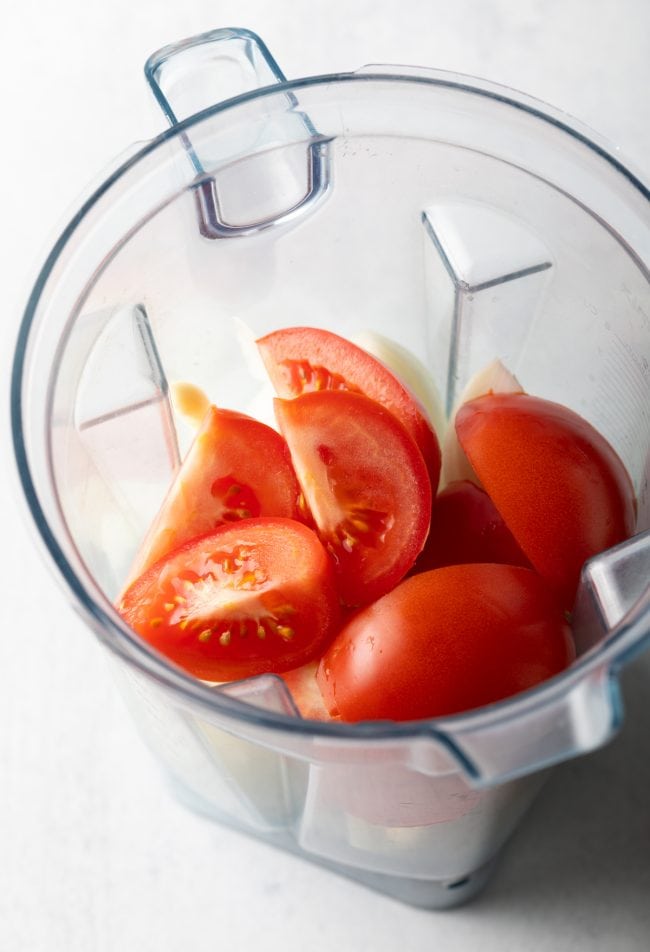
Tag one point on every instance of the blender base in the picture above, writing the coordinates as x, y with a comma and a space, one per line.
433, 894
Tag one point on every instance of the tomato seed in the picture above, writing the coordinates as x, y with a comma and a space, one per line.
360, 525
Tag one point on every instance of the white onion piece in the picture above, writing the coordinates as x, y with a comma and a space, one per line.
246, 338
495, 378
260, 402
410, 371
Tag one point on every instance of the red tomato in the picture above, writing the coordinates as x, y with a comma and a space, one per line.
446, 641
255, 596
221, 480
560, 487
302, 359
365, 483
466, 527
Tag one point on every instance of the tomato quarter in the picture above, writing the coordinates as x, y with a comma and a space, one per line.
255, 596
303, 359
466, 527
365, 483
560, 487
446, 641
236, 468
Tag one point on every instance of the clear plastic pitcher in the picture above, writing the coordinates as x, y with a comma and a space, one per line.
463, 221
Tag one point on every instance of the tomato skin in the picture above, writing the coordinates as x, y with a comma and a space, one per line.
256, 596
302, 359
446, 641
561, 488
466, 527
366, 486
220, 481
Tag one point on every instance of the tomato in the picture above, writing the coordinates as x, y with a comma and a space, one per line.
365, 483
466, 527
303, 359
222, 480
558, 484
255, 596
446, 641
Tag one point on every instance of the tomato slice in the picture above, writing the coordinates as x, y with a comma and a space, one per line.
255, 596
560, 487
236, 468
365, 483
466, 527
446, 641
303, 359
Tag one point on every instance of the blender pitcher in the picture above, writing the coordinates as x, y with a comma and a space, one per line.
459, 219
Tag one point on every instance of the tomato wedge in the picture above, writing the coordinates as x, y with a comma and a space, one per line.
446, 641
466, 527
255, 596
560, 487
365, 483
303, 359
236, 468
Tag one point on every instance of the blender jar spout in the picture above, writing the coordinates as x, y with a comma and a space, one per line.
242, 186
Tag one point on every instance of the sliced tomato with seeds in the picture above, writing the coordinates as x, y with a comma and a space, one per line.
236, 468
257, 595
305, 359
365, 483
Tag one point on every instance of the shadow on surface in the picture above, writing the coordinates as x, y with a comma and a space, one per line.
585, 846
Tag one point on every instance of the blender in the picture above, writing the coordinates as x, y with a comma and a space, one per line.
461, 220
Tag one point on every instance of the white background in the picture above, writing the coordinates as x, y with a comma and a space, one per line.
94, 856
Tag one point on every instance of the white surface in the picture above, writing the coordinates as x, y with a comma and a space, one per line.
94, 856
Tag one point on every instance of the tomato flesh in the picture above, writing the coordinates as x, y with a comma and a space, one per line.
305, 359
466, 527
255, 596
366, 486
221, 480
560, 487
446, 641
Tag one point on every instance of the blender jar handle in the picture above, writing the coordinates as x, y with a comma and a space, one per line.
199, 73
562, 725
